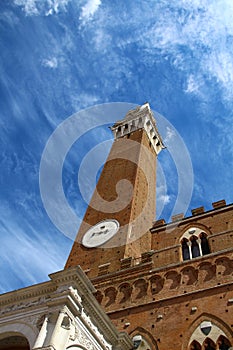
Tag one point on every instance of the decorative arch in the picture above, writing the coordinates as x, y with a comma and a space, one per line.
126, 290
207, 271
110, 296
148, 341
172, 279
224, 265
194, 242
141, 286
208, 327
156, 284
223, 343
99, 296
189, 275
209, 344
195, 345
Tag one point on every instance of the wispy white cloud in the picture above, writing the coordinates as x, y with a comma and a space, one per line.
170, 134
195, 36
50, 63
33, 245
203, 30
56, 6
192, 86
89, 9
84, 100
29, 6
9, 18
162, 196
165, 199
45, 7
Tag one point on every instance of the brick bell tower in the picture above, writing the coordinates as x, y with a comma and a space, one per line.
116, 224
168, 285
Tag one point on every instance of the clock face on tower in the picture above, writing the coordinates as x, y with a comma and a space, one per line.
100, 233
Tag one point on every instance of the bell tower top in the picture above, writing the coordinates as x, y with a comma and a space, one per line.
139, 118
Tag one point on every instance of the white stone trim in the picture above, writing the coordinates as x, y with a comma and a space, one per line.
51, 315
140, 118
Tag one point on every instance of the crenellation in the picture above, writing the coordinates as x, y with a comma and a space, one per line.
219, 204
198, 210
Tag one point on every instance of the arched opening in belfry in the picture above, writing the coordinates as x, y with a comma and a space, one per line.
14, 342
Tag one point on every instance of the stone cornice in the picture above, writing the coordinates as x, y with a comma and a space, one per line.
27, 293
74, 275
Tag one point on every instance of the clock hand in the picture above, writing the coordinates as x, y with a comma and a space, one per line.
100, 233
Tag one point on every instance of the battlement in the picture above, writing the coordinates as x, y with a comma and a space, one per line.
219, 205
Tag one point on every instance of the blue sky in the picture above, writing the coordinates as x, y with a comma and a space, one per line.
59, 57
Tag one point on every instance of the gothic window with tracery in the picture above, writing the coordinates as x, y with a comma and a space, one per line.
208, 336
194, 243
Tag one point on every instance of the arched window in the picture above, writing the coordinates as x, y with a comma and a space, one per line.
223, 343
204, 243
195, 345
209, 344
194, 243
195, 247
140, 343
185, 249
208, 336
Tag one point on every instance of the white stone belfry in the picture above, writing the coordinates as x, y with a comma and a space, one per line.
139, 118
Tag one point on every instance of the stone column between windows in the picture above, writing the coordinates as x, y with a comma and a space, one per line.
199, 245
190, 250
